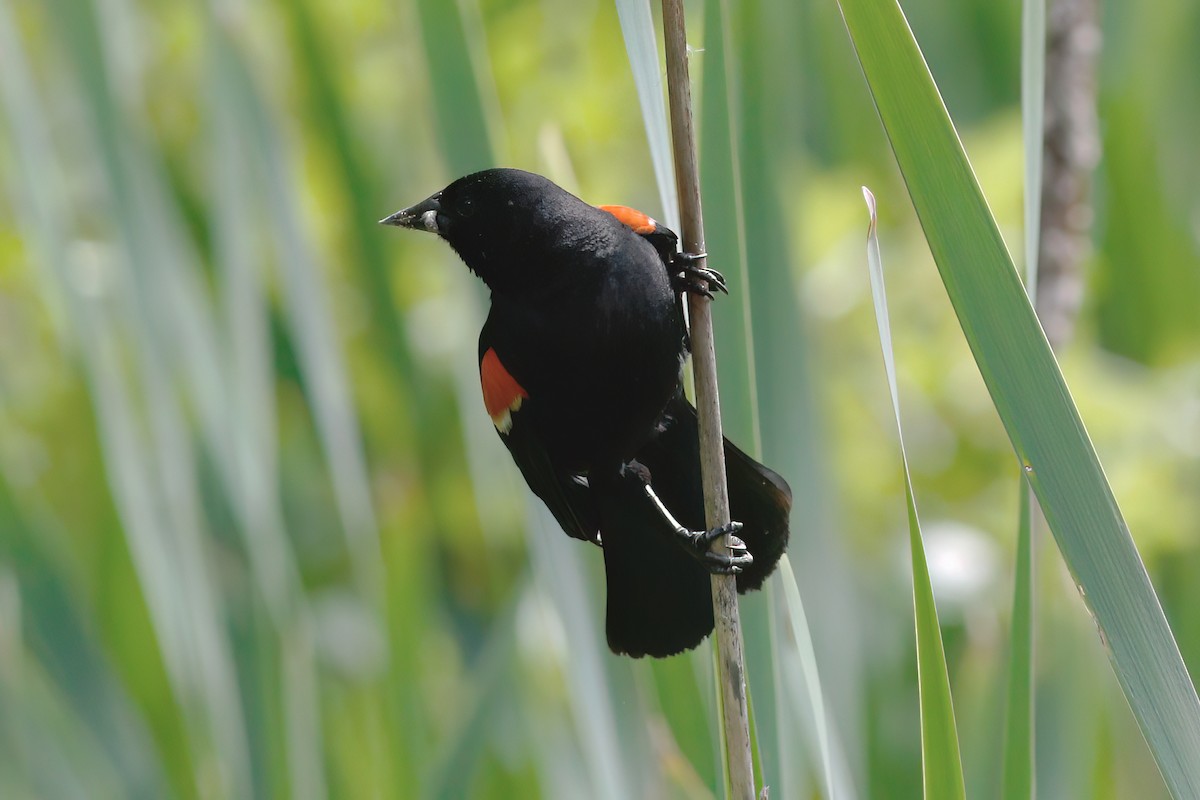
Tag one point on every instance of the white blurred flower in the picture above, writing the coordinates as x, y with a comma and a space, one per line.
963, 567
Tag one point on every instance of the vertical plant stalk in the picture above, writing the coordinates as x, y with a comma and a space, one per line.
1071, 151
731, 667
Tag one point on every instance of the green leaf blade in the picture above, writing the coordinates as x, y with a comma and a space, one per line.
941, 756
1017, 776
1028, 390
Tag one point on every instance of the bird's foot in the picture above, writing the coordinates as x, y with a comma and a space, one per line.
695, 279
728, 560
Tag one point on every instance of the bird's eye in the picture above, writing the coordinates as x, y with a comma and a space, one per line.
465, 206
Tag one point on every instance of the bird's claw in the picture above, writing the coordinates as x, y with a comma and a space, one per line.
728, 560
696, 279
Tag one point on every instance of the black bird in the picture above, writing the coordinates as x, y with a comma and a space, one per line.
580, 361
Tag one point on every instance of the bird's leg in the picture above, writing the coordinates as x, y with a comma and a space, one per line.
688, 276
727, 561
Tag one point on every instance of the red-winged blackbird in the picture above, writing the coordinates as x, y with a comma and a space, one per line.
580, 362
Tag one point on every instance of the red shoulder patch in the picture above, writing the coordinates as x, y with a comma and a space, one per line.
639, 223
502, 395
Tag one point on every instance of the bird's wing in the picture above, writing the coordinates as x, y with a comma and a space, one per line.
568, 496
665, 241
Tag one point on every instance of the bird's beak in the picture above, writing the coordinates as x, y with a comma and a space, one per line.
422, 216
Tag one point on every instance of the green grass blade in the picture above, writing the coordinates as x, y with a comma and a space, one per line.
725, 235
790, 422
683, 698
57, 687
810, 677
250, 417
1017, 779
721, 131
149, 462
312, 328
454, 52
458, 99
789, 416
941, 760
560, 571
769, 290
492, 677
252, 474
48, 752
1028, 390
641, 45
362, 199
1017, 776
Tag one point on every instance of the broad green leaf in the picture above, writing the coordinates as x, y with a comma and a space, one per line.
1028, 390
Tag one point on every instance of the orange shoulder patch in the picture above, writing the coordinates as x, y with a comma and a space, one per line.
639, 223
502, 395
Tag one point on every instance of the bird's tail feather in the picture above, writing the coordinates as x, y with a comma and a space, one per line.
659, 598
759, 497
659, 602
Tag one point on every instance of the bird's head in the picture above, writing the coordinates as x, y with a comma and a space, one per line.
504, 223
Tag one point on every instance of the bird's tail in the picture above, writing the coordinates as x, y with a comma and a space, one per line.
659, 600
759, 497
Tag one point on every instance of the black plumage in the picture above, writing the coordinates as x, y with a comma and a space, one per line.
580, 361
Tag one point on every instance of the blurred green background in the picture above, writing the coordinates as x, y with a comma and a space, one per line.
257, 537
